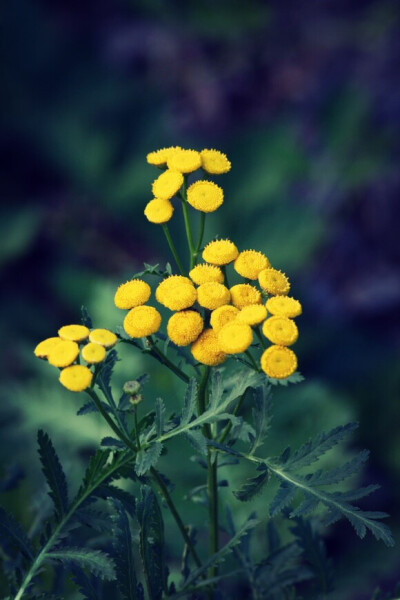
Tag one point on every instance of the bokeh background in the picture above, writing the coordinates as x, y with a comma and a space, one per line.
304, 97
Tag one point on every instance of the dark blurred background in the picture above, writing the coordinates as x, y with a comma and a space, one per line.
304, 97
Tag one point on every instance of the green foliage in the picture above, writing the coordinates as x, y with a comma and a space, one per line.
252, 486
123, 554
151, 543
95, 561
53, 473
12, 536
146, 459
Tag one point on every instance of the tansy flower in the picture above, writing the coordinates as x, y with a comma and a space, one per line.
159, 158
212, 295
43, 348
220, 252
104, 337
244, 294
281, 331
249, 263
283, 306
158, 211
185, 327
93, 353
76, 378
63, 354
205, 273
167, 184
235, 337
75, 333
184, 161
223, 315
182, 296
205, 196
214, 162
274, 282
207, 350
142, 321
254, 314
278, 362
169, 284
132, 293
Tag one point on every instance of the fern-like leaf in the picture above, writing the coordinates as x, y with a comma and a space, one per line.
53, 473
189, 405
13, 534
123, 553
95, 561
145, 459
252, 486
261, 415
160, 416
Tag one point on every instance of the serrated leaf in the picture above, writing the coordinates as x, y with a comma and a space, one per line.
85, 317
123, 553
87, 584
190, 401
152, 543
160, 416
338, 474
283, 497
53, 473
197, 440
12, 533
296, 377
96, 561
261, 415
111, 491
252, 487
110, 442
145, 459
216, 389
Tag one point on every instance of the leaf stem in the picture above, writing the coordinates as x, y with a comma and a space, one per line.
189, 235
173, 249
228, 426
260, 337
165, 360
253, 362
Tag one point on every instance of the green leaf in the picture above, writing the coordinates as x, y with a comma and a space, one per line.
123, 553
151, 544
252, 486
160, 416
262, 413
294, 378
85, 317
145, 459
12, 533
97, 562
197, 440
53, 473
189, 406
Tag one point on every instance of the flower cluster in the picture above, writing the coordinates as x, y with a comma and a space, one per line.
75, 342
203, 195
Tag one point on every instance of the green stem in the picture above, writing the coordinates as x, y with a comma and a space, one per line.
228, 426
201, 234
188, 229
167, 497
253, 362
41, 557
226, 282
165, 361
260, 337
96, 400
173, 249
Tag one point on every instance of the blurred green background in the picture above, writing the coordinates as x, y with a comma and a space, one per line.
305, 100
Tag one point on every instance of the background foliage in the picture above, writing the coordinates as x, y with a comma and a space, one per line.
304, 99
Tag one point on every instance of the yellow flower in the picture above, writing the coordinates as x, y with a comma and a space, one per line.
184, 161
104, 337
43, 348
220, 252
158, 211
132, 293
142, 321
249, 263
63, 354
274, 282
212, 295
205, 273
167, 184
235, 337
244, 294
281, 331
75, 333
278, 362
207, 350
214, 162
185, 327
159, 158
76, 378
205, 196
93, 353
168, 284
254, 314
283, 306
223, 315
182, 296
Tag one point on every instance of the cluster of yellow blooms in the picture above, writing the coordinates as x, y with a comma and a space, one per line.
72, 343
216, 320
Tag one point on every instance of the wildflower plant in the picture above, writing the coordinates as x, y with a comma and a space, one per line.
228, 338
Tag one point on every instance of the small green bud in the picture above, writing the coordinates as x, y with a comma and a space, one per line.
135, 399
131, 387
